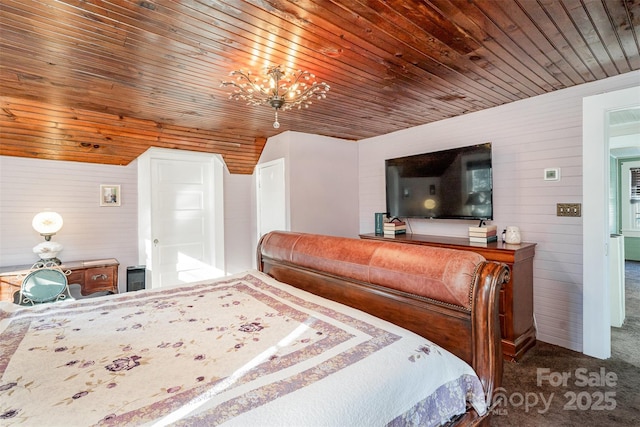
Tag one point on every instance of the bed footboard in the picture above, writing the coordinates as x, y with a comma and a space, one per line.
448, 296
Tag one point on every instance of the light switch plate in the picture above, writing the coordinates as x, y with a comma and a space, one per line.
569, 209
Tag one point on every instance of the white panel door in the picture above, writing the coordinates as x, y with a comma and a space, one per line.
271, 200
181, 212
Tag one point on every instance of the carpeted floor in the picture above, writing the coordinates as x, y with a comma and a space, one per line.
553, 386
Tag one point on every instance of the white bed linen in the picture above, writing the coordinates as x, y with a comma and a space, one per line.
244, 350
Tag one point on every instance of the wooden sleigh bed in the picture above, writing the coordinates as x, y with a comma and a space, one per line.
402, 284
263, 347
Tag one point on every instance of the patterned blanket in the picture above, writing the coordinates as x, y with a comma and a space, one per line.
245, 350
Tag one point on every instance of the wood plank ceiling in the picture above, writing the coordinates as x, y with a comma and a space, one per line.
101, 81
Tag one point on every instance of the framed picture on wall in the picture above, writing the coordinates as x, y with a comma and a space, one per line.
109, 195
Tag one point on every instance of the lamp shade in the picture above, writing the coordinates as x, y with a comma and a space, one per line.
47, 223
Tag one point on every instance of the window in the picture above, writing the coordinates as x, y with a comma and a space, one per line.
634, 196
635, 183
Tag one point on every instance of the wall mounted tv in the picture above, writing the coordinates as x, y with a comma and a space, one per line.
451, 184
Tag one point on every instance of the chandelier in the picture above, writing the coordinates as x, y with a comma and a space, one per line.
281, 90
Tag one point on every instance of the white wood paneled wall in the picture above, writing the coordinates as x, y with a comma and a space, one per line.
321, 175
527, 136
28, 186
239, 222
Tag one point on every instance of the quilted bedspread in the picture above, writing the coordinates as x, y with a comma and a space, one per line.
242, 351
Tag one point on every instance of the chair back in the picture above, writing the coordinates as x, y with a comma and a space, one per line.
44, 284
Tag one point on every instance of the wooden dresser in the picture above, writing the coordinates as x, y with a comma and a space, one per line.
516, 297
92, 276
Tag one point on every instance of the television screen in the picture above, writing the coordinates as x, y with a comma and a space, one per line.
455, 184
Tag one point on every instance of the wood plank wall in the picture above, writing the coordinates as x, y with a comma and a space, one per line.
37, 129
527, 136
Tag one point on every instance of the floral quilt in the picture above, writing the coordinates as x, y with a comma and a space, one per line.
245, 350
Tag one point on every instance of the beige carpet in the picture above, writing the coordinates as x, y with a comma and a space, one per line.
553, 386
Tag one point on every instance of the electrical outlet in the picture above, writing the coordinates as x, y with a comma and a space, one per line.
569, 209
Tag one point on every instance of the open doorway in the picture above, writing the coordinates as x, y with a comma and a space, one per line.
596, 318
624, 148
624, 205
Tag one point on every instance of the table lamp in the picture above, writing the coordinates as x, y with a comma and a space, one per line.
47, 223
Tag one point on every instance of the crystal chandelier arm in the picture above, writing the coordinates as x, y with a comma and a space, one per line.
242, 87
293, 87
319, 88
300, 75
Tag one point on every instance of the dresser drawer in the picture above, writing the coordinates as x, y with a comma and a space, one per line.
8, 288
76, 277
100, 279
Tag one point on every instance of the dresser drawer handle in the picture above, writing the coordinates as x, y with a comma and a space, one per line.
99, 277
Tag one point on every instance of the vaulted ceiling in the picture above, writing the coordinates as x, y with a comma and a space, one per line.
101, 81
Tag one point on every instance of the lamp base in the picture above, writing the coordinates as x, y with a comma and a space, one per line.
47, 262
48, 252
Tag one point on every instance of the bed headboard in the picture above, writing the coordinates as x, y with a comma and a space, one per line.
448, 296
446, 278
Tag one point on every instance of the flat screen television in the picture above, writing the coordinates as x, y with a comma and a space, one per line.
448, 184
